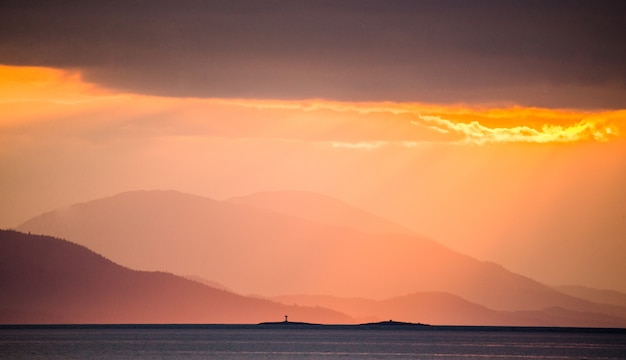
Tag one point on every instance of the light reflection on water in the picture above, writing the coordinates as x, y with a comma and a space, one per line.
182, 342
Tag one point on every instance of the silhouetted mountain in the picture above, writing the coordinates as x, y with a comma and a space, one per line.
48, 280
321, 209
259, 251
438, 308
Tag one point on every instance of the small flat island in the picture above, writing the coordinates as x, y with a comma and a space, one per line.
390, 324
393, 323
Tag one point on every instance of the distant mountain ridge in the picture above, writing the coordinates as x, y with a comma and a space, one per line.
601, 296
321, 209
256, 250
49, 280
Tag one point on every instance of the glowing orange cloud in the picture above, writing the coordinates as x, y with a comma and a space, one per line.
556, 126
598, 129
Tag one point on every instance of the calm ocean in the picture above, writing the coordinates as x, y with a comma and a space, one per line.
253, 342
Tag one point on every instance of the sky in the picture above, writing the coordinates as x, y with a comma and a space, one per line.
497, 128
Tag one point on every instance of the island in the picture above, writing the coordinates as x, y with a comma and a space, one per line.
390, 324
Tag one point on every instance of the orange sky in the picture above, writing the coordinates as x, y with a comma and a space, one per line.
537, 190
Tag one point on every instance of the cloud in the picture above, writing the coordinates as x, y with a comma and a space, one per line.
473, 132
527, 125
405, 51
359, 145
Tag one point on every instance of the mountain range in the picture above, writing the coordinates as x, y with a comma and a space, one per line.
279, 243
50, 280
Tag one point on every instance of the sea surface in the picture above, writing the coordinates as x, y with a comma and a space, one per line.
256, 342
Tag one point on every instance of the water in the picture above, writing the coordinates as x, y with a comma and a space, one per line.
250, 342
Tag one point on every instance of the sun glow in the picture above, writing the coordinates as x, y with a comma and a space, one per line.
40, 84
599, 129
21, 87
482, 168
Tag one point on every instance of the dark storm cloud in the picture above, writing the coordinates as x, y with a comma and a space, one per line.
444, 51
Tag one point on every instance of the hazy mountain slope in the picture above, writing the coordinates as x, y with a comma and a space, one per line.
48, 280
210, 283
258, 251
438, 308
609, 297
321, 209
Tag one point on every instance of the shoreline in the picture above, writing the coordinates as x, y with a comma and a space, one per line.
382, 326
